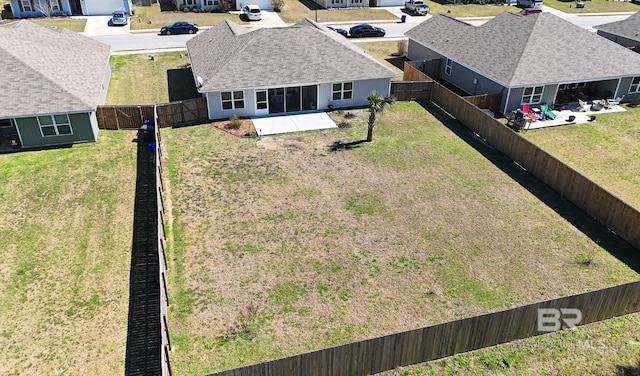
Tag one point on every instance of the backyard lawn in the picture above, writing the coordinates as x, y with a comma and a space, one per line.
286, 244
66, 233
607, 150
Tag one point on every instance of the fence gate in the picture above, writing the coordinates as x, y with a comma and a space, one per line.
187, 112
411, 90
123, 117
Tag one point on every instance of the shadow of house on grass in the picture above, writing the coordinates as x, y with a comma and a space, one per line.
181, 85
601, 235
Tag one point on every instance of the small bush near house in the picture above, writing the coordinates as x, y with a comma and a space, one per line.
234, 122
402, 47
277, 5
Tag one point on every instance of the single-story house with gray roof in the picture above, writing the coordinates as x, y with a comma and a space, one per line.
533, 59
34, 8
304, 67
49, 96
626, 32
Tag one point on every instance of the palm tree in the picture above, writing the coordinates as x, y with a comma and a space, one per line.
377, 104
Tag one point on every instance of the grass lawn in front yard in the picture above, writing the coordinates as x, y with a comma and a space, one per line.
593, 6
136, 79
144, 14
57, 23
65, 230
606, 151
296, 10
469, 10
286, 244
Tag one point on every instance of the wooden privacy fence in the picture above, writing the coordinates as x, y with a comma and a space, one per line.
488, 101
606, 208
186, 112
420, 70
174, 114
434, 342
411, 90
123, 117
162, 241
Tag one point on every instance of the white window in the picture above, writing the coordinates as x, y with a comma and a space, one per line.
447, 69
532, 94
55, 125
635, 85
211, 3
26, 6
189, 2
232, 100
343, 90
54, 5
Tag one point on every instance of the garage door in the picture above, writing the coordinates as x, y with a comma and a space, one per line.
103, 7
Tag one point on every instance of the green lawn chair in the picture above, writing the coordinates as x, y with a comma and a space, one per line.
547, 111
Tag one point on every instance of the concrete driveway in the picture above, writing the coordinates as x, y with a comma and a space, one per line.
292, 123
101, 25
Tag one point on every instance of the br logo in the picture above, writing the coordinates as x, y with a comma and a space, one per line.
551, 319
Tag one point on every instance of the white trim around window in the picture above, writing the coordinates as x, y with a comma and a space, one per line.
532, 94
232, 100
55, 125
342, 91
635, 85
448, 67
26, 5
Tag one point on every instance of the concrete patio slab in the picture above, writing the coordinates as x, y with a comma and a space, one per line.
564, 117
292, 123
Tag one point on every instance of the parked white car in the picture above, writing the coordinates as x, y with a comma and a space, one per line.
119, 17
252, 12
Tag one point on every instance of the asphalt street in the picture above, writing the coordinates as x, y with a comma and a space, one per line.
125, 41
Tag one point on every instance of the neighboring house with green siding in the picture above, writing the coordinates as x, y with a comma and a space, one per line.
52, 83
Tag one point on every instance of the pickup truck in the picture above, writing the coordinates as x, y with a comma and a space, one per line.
417, 7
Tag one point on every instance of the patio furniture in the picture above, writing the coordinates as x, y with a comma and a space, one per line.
615, 102
547, 111
596, 106
527, 110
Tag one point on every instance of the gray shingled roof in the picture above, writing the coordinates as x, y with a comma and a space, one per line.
627, 28
230, 56
45, 72
521, 51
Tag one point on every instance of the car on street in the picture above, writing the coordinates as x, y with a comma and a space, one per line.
528, 11
180, 27
119, 18
252, 12
366, 30
342, 32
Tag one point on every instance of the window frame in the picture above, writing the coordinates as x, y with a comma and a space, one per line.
28, 4
236, 100
532, 95
56, 124
448, 67
342, 93
635, 85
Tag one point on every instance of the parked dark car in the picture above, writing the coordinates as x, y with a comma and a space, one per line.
181, 27
342, 32
366, 30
